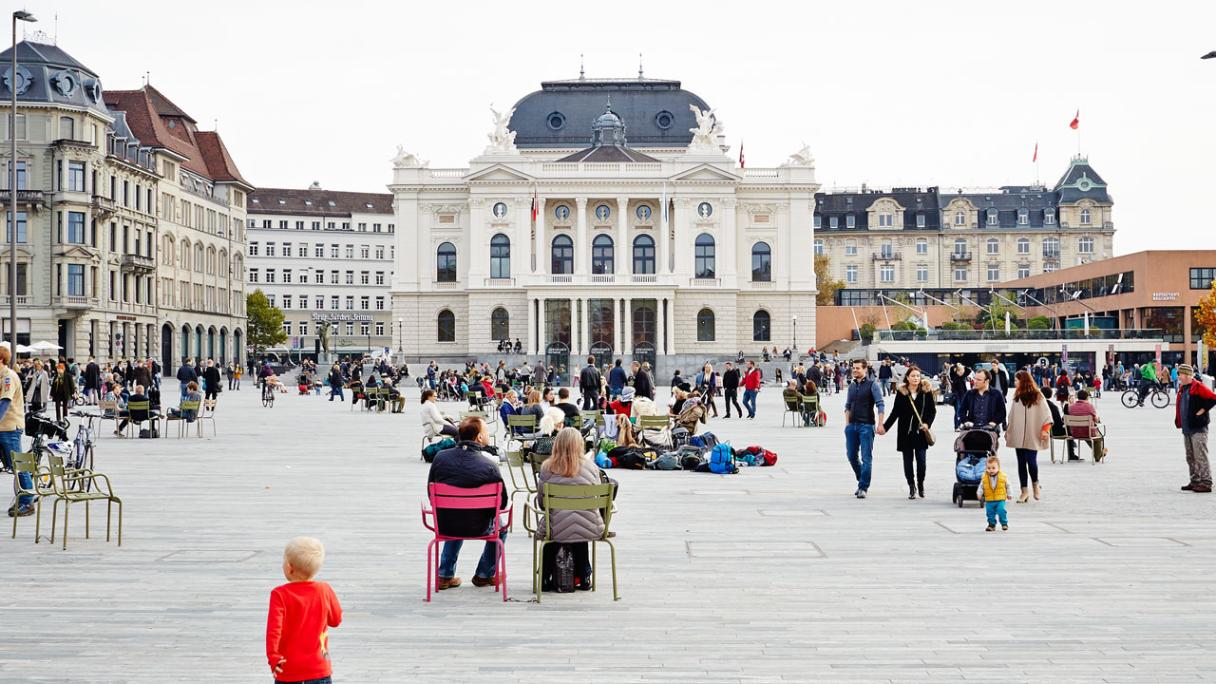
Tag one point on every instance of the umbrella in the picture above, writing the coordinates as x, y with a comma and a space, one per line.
21, 348
44, 346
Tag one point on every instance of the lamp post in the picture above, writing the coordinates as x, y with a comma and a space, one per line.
795, 319
400, 337
19, 15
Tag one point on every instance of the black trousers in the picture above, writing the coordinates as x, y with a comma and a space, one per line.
731, 396
591, 402
917, 455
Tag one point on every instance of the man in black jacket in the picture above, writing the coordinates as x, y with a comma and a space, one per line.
92, 381
643, 386
467, 466
589, 385
211, 378
730, 388
185, 376
982, 405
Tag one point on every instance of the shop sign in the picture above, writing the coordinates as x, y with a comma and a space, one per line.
1165, 296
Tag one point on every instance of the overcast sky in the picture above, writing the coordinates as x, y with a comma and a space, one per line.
885, 93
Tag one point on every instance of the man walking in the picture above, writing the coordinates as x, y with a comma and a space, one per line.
616, 380
751, 388
862, 402
884, 377
1191, 410
730, 388
589, 385
185, 376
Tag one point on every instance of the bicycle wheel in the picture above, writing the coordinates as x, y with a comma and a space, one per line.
1130, 399
1160, 399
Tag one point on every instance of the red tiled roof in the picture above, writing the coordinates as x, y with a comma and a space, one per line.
157, 122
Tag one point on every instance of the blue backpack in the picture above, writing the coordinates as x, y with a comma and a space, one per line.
722, 460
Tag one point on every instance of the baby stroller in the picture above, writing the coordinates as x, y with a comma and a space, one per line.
972, 448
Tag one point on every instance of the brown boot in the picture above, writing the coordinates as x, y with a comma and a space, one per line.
442, 583
484, 581
1025, 496
1037, 491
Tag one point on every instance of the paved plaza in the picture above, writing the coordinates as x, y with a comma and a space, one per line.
774, 574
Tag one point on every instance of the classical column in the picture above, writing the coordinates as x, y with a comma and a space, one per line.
682, 263
582, 250
584, 334
540, 326
660, 332
729, 263
540, 266
622, 235
664, 238
628, 326
671, 326
618, 306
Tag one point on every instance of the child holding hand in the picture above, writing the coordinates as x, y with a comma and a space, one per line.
301, 613
994, 492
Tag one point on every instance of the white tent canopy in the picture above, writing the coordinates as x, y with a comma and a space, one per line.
21, 348
44, 346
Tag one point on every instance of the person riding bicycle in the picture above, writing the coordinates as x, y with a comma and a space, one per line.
1148, 381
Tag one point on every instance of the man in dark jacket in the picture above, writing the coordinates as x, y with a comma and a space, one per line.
467, 465
1191, 415
1000, 378
642, 384
185, 376
730, 388
983, 405
616, 380
92, 381
589, 384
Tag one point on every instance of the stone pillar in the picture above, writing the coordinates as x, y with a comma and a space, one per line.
618, 305
660, 332
622, 235
582, 249
541, 265
540, 326
683, 243
671, 326
584, 335
729, 265
664, 240
628, 326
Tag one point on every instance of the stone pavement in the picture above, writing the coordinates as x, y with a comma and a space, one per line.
774, 574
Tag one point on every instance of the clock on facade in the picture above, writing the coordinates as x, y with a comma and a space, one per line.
500, 210
602, 212
705, 210
643, 212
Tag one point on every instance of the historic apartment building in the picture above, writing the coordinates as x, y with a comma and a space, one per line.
604, 217
326, 259
92, 180
914, 238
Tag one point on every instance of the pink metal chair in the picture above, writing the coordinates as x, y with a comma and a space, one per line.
456, 498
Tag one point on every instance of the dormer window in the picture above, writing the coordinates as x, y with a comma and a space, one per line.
886, 220
1085, 217
331, 203
818, 220
960, 218
833, 222
993, 218
850, 221
1049, 217
1023, 217
920, 220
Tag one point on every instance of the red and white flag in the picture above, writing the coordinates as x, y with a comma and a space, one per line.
1035, 158
742, 163
1076, 121
535, 205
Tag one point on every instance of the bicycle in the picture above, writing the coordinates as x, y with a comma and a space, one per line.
267, 395
82, 444
1157, 397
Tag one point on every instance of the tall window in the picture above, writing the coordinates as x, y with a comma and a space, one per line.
1023, 272
886, 220
850, 274
960, 275
75, 176
1051, 247
920, 220
643, 255
886, 273
602, 257
8, 226
447, 326
819, 247
1023, 245
500, 324
704, 258
1085, 217
993, 246
500, 256
960, 218
960, 247
445, 263
76, 280
563, 255
886, 249
67, 129
850, 221
922, 274
705, 325
1085, 245
762, 263
1049, 217
21, 176
994, 273
922, 246
761, 327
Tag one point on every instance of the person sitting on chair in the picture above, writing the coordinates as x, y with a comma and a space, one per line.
192, 394
566, 405
575, 529
138, 416
466, 466
435, 423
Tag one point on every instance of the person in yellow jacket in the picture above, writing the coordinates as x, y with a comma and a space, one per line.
994, 492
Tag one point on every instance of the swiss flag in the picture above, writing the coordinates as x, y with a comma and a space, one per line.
1076, 121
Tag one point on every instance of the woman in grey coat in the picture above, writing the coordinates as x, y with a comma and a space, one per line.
568, 466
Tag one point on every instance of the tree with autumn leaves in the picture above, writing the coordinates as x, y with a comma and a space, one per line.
1205, 316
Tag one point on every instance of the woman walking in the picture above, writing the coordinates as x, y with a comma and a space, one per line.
707, 385
63, 391
915, 409
38, 387
1029, 429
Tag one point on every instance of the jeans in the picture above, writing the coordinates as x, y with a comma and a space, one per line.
9, 442
860, 437
323, 680
336, 391
958, 410
1028, 465
994, 509
184, 387
731, 396
485, 566
749, 402
917, 455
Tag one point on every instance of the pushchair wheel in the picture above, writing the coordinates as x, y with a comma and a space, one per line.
957, 496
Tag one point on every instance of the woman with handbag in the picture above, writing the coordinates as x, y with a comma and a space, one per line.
915, 409
1030, 422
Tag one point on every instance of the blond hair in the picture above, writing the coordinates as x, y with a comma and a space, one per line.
305, 555
566, 459
995, 459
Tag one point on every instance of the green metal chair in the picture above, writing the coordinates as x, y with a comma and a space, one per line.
138, 413
527, 423
28, 463
66, 489
597, 497
194, 407
810, 404
518, 468
656, 423
791, 406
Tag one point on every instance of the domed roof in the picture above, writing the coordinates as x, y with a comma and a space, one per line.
47, 74
654, 111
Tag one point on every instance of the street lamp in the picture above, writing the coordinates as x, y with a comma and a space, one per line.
19, 15
795, 319
400, 337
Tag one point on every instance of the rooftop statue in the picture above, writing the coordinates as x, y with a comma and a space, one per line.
502, 139
802, 157
408, 160
708, 128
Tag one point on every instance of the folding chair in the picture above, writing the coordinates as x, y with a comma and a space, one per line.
810, 404
207, 414
447, 497
1096, 439
792, 406
109, 411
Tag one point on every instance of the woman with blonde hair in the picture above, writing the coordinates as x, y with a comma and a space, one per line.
567, 465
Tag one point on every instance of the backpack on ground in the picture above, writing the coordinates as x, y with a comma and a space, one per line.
705, 440
722, 460
757, 456
431, 450
691, 457
679, 437
667, 461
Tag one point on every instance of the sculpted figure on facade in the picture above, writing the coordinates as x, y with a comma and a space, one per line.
802, 157
408, 160
502, 139
708, 128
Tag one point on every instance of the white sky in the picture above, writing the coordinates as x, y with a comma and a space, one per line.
886, 93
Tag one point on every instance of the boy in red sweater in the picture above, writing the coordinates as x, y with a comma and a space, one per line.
301, 613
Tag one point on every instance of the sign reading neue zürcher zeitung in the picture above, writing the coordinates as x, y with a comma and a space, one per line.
341, 317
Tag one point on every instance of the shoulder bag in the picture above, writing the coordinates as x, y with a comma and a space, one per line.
929, 438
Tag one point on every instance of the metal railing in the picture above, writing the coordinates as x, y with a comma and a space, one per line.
1017, 334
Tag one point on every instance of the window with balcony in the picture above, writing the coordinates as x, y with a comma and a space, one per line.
643, 255
76, 280
886, 250
562, 255
960, 247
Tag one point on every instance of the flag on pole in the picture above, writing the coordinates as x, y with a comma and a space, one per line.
1076, 121
742, 165
663, 211
535, 205
1035, 158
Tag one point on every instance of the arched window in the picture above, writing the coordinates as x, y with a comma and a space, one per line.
211, 260
500, 256
562, 255
447, 326
762, 264
761, 327
1023, 245
960, 218
705, 325
993, 246
602, 258
223, 265
1023, 217
704, 265
1085, 217
185, 255
1051, 247
445, 264
643, 255
500, 324
199, 264
960, 247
